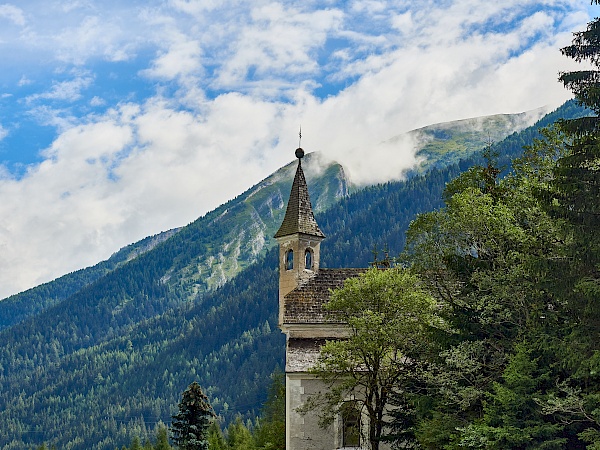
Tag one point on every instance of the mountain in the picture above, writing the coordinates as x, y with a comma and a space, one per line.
18, 307
252, 217
438, 146
446, 143
221, 243
110, 360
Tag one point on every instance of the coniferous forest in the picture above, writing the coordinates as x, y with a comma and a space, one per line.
506, 241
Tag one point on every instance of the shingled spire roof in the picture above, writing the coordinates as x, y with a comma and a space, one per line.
299, 217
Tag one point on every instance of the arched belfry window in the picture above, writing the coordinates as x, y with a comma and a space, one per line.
289, 260
308, 259
350, 416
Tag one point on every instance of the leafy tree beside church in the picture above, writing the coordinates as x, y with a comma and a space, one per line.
389, 317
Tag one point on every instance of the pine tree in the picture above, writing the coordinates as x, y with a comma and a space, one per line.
135, 444
574, 197
239, 436
190, 425
576, 186
216, 440
270, 433
162, 440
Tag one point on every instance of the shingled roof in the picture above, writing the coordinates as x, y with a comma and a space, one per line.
299, 217
305, 303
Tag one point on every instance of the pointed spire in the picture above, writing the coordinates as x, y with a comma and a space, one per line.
299, 217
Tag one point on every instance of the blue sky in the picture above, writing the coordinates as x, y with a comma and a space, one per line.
118, 119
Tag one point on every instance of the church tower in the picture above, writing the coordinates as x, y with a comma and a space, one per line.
299, 239
304, 289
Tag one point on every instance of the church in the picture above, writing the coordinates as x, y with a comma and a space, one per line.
304, 288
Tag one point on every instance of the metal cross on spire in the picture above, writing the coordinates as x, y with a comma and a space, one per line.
300, 137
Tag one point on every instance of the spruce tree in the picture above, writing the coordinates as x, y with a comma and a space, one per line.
190, 425
135, 444
162, 440
575, 194
574, 197
239, 436
216, 440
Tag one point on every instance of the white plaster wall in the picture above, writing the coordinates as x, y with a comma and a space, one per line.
303, 431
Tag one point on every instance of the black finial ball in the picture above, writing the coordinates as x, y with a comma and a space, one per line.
299, 153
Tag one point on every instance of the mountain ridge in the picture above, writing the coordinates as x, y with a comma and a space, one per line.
251, 218
431, 136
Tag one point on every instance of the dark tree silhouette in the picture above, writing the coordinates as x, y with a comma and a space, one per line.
190, 425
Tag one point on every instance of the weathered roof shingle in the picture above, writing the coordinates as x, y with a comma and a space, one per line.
299, 217
305, 303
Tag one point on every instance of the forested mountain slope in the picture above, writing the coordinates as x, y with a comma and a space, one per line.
111, 360
18, 307
247, 231
210, 251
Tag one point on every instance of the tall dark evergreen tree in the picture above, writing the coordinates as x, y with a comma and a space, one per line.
190, 425
574, 197
576, 184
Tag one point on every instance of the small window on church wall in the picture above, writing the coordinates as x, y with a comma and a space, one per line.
350, 416
308, 259
289, 260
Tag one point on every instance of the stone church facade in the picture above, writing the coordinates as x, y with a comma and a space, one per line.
303, 290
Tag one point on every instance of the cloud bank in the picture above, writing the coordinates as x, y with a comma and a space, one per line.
160, 111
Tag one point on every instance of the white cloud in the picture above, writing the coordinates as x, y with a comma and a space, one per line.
12, 13
278, 41
3, 132
234, 81
97, 101
69, 91
24, 81
196, 7
90, 37
182, 58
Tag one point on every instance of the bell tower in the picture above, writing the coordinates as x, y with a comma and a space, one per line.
299, 239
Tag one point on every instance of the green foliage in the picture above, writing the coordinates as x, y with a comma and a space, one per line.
267, 434
190, 425
512, 416
216, 440
135, 444
574, 191
238, 436
513, 263
162, 439
270, 432
389, 317
485, 257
